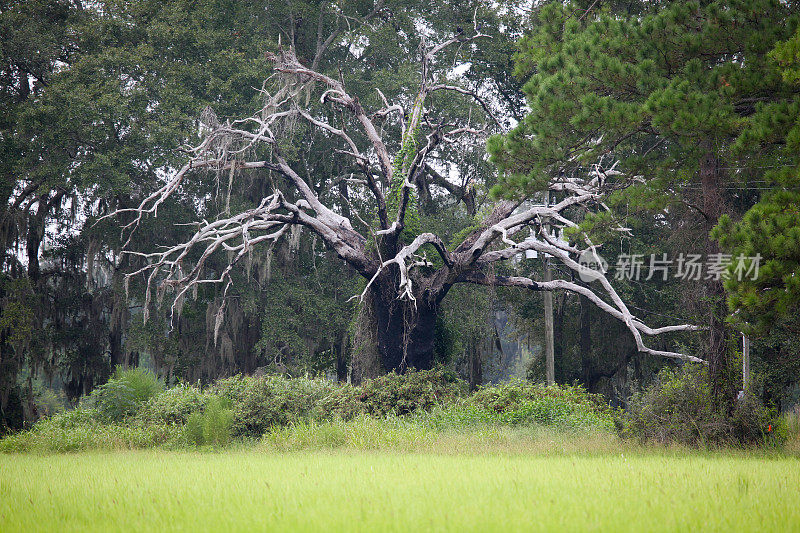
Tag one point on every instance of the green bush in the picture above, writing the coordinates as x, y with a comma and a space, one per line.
679, 408
125, 392
262, 402
791, 421
84, 432
550, 411
80, 416
397, 394
302, 412
173, 405
45, 400
519, 403
213, 425
232, 388
512, 395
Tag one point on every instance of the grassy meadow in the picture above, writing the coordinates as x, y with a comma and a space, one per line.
400, 453
344, 489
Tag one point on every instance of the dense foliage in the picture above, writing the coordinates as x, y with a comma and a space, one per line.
678, 408
395, 410
679, 98
770, 229
252, 407
695, 103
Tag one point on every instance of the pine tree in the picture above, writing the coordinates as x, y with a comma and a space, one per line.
670, 93
762, 299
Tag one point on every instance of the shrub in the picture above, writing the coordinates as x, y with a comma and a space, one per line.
791, 420
213, 425
513, 395
66, 434
232, 388
173, 405
262, 402
397, 394
679, 408
46, 401
519, 403
751, 422
125, 392
554, 411
80, 416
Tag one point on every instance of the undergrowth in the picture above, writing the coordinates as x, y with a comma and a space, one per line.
426, 410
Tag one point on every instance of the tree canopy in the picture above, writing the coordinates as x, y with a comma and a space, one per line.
305, 188
679, 97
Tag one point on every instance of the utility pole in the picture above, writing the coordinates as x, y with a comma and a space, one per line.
549, 348
549, 341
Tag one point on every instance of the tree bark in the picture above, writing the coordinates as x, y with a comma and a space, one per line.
717, 356
11, 417
118, 319
34, 240
405, 331
745, 362
622, 376
341, 358
558, 338
36, 231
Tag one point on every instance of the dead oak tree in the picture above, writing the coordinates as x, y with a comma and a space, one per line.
405, 286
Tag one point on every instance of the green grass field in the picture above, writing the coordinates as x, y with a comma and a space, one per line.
251, 489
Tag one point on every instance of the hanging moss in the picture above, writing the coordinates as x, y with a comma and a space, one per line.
400, 170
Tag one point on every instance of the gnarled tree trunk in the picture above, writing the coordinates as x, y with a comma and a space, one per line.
404, 329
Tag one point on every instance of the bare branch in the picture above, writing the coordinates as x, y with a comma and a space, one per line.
287, 63
361, 160
404, 262
388, 108
635, 326
475, 96
512, 222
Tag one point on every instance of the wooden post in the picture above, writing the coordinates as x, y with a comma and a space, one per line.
745, 362
549, 343
549, 340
